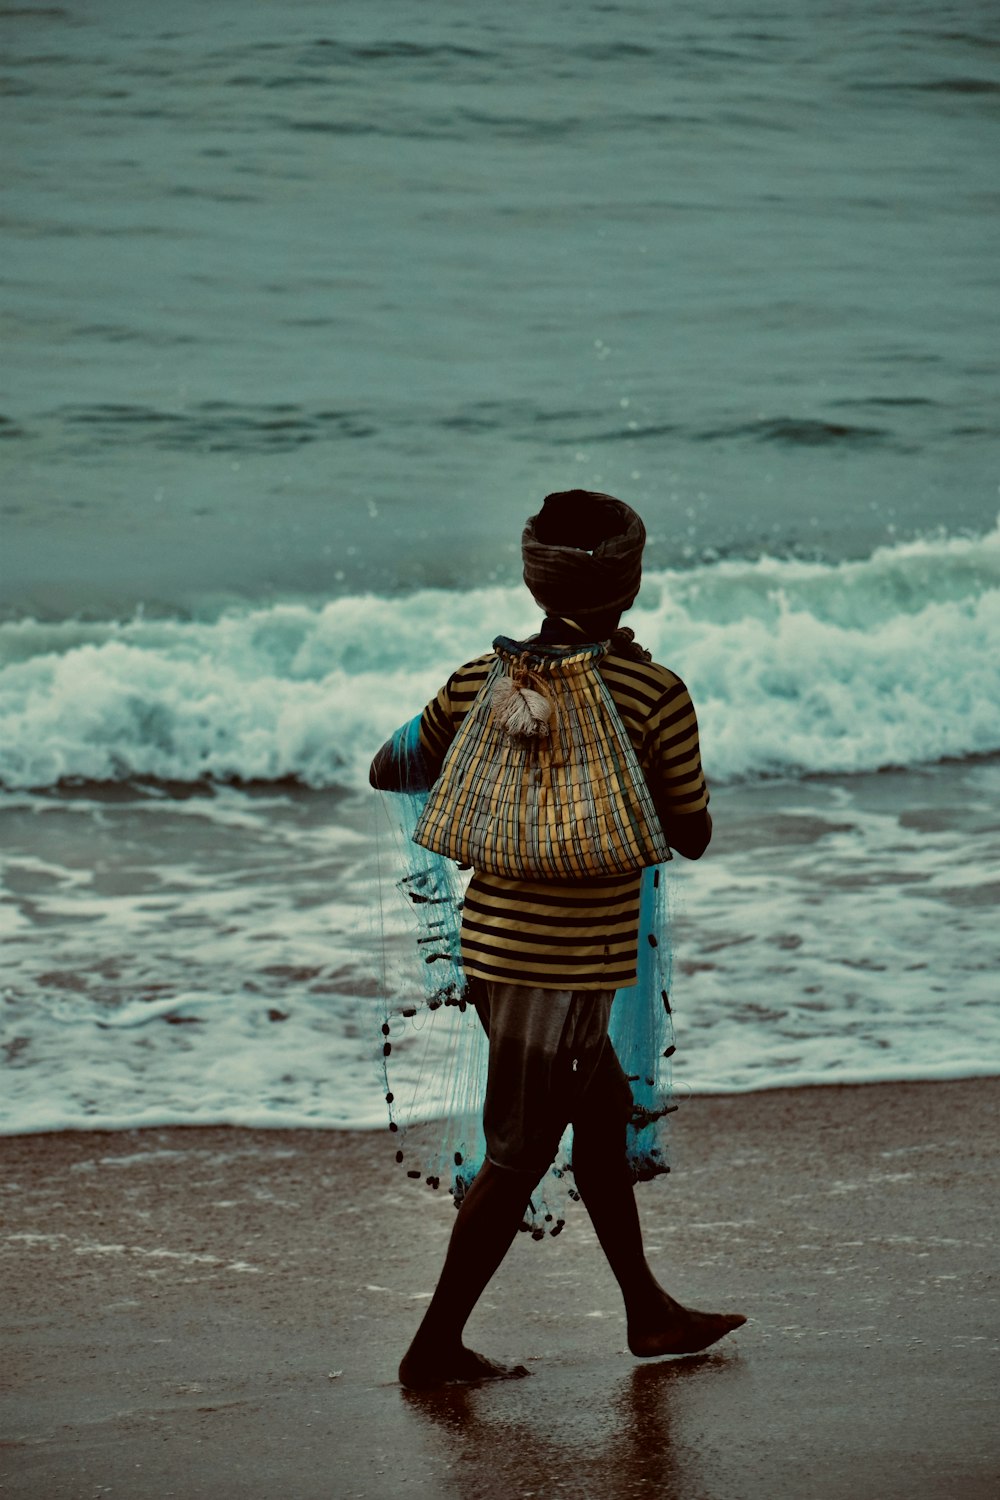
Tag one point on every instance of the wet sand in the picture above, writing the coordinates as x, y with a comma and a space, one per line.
218, 1313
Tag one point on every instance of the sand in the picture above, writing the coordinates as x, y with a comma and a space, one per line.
219, 1313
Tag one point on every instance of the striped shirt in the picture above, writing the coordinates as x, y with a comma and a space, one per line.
580, 934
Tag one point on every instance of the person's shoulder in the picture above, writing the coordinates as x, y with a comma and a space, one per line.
665, 677
480, 663
477, 668
466, 681
649, 680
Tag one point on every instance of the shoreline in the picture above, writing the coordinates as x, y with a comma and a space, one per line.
254, 1124
947, 1073
218, 1311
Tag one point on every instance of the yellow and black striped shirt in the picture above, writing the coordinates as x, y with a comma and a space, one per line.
580, 934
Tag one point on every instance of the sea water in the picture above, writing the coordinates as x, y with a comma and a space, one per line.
307, 308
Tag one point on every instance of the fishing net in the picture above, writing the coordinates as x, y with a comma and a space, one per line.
432, 1051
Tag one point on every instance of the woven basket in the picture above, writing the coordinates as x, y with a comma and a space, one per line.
567, 800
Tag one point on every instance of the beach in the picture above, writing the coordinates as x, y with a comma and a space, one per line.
287, 377
309, 308
219, 1312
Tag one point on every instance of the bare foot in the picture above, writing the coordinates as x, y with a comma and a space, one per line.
452, 1366
679, 1330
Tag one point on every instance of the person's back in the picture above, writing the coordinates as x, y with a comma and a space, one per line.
543, 956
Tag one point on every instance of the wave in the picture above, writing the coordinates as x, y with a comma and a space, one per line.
803, 432
265, 427
796, 668
213, 426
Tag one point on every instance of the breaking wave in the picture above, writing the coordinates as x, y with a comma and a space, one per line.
796, 668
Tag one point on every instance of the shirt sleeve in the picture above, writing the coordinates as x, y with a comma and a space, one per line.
410, 761
437, 728
671, 758
443, 716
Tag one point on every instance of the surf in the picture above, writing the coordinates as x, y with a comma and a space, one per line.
797, 668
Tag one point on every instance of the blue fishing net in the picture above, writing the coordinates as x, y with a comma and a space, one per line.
432, 1052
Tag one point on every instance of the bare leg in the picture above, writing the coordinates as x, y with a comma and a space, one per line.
657, 1324
487, 1222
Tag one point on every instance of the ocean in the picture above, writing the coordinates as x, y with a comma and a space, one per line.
306, 307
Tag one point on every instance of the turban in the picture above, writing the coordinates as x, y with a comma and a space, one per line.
583, 553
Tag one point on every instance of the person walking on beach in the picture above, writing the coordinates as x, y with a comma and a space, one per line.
543, 955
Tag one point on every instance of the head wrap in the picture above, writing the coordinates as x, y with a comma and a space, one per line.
583, 553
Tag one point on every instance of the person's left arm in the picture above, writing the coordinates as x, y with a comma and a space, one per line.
411, 759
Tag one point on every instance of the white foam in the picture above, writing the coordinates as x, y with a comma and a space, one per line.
794, 667
212, 960
822, 941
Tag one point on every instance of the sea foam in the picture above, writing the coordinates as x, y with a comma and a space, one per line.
795, 668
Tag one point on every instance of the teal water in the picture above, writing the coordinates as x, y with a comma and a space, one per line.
306, 306
310, 299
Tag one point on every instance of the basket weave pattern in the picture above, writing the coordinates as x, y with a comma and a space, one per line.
570, 804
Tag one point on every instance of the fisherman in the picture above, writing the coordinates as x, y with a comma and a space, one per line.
543, 957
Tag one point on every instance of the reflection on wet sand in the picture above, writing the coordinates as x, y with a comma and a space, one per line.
578, 1434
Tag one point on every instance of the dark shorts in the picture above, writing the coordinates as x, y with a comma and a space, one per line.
551, 1065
